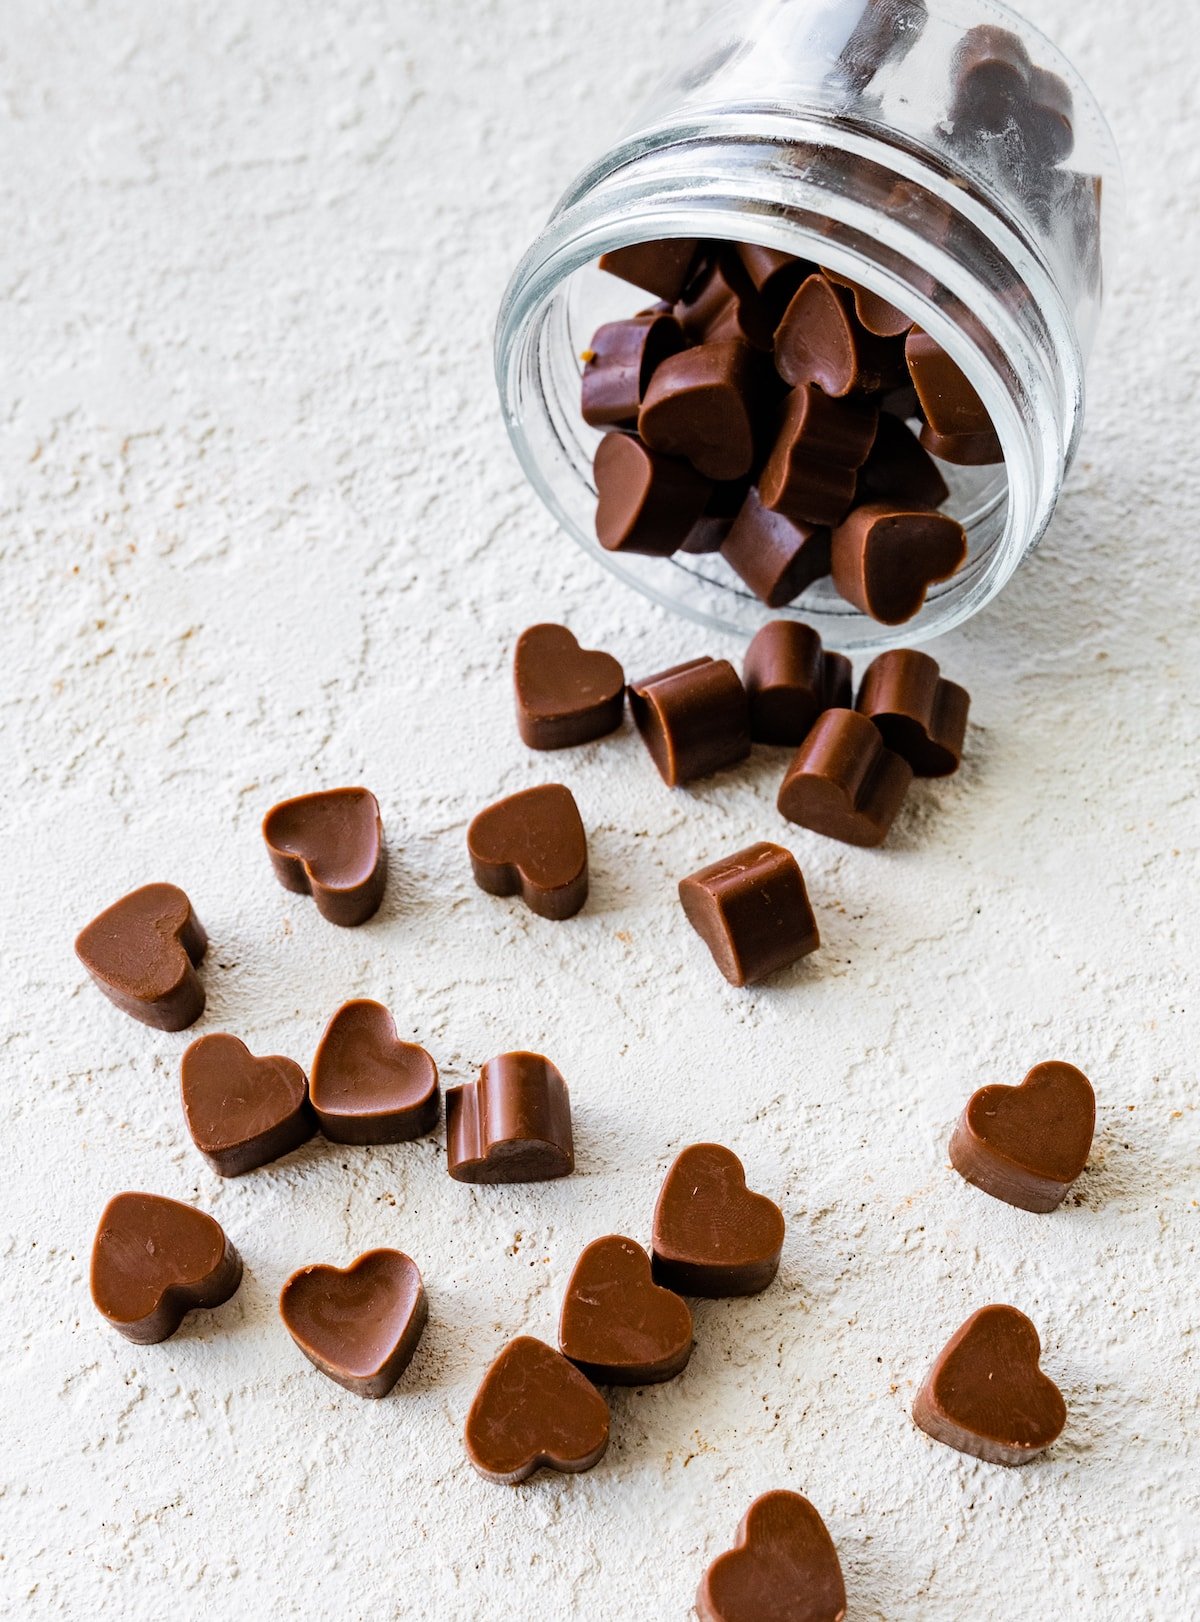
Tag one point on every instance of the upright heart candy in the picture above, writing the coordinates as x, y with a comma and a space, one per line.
783, 1568
143, 951
367, 1085
885, 558
532, 844
712, 1236
698, 406
619, 1327
359, 1324
241, 1111
153, 1260
513, 1125
330, 846
565, 694
920, 715
821, 340
1026, 1145
843, 782
985, 1395
534, 1409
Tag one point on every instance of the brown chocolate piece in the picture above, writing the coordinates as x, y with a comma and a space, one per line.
783, 1568
812, 470
843, 782
775, 557
790, 680
661, 268
985, 1394
820, 340
647, 503
1026, 1145
879, 317
243, 1111
775, 275
143, 952
154, 1260
885, 558
360, 1324
998, 92
712, 1235
330, 846
950, 405
566, 694
533, 845
367, 1085
693, 719
624, 356
920, 715
698, 407
963, 450
751, 910
534, 1410
709, 532
617, 1326
722, 304
513, 1125
899, 470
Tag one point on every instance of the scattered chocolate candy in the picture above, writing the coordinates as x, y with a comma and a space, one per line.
885, 558
812, 471
513, 1125
697, 406
617, 1326
790, 680
661, 268
783, 1568
722, 303
533, 844
921, 716
952, 409
243, 1111
775, 557
330, 846
624, 356
821, 340
985, 1394
693, 719
360, 1324
751, 910
899, 469
646, 503
534, 1409
1026, 1145
143, 952
367, 1085
843, 781
566, 694
154, 1260
712, 1235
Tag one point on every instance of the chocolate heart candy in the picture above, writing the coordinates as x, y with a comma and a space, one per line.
661, 268
619, 1327
565, 694
775, 557
623, 356
843, 782
783, 1568
775, 275
154, 1260
1026, 1145
949, 402
920, 715
885, 558
790, 680
963, 450
698, 407
143, 951
985, 1395
751, 910
243, 1111
712, 1235
874, 313
359, 1324
820, 340
899, 470
721, 303
367, 1085
812, 471
692, 718
533, 845
330, 846
513, 1125
646, 503
534, 1409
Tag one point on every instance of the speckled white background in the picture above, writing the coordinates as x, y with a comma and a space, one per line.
260, 532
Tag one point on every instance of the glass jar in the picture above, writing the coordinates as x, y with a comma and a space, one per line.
877, 138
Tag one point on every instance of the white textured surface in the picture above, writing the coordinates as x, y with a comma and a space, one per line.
261, 532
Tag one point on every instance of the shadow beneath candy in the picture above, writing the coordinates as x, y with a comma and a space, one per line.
1121, 1169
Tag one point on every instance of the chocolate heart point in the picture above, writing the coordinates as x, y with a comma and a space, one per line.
784, 1568
1026, 1145
533, 844
330, 846
534, 1409
360, 1324
565, 694
367, 1085
243, 1111
154, 1260
619, 1327
143, 952
712, 1235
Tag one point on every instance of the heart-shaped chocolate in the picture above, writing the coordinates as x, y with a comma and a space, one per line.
646, 502
821, 340
783, 1568
143, 951
1026, 1145
534, 1409
330, 846
367, 1085
885, 558
712, 1235
532, 844
698, 407
619, 1327
920, 715
359, 1324
843, 782
243, 1111
153, 1260
790, 680
985, 1395
513, 1125
565, 694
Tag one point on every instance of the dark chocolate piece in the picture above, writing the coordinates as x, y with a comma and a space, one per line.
722, 304
709, 532
812, 470
751, 910
879, 317
623, 357
963, 450
985, 1394
143, 952
367, 1085
330, 846
534, 1410
712, 1235
243, 1111
998, 92
693, 719
513, 1125
775, 557
885, 558
843, 782
949, 403
790, 680
698, 407
154, 1260
566, 694
647, 503
1026, 1145
920, 715
783, 1568
899, 470
360, 1324
617, 1326
775, 275
661, 268
533, 845
820, 340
